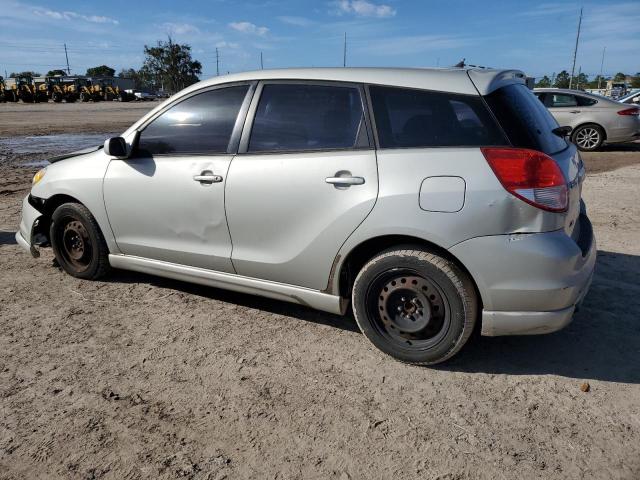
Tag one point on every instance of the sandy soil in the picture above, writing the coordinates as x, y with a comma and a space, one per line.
138, 377
48, 118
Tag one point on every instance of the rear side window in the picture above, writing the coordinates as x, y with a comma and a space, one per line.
562, 100
525, 119
201, 124
419, 118
307, 117
585, 101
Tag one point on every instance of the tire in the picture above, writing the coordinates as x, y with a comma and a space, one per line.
78, 243
84, 97
56, 97
588, 137
433, 302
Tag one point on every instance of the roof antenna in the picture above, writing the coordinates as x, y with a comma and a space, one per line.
460, 64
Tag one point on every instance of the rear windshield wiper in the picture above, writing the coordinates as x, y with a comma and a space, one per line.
562, 131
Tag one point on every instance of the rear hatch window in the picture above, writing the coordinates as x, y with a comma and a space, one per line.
525, 120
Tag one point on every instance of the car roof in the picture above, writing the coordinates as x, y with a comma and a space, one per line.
600, 98
453, 80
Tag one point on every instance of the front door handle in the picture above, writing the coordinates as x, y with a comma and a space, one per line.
207, 177
345, 181
575, 111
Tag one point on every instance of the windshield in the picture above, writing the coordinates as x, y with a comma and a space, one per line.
525, 120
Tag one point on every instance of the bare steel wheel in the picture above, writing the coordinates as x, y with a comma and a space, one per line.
588, 137
408, 308
415, 305
77, 242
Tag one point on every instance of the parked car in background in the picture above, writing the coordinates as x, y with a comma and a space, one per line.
594, 119
430, 199
141, 96
632, 98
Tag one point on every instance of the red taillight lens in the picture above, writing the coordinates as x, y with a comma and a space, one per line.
531, 176
630, 111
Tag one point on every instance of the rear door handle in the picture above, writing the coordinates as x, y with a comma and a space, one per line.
345, 181
207, 177
575, 111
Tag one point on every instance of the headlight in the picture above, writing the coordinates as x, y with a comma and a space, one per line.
38, 176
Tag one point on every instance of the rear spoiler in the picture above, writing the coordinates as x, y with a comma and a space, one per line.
487, 81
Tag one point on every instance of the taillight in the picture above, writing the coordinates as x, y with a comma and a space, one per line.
630, 111
531, 176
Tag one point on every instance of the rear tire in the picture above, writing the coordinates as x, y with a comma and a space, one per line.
414, 305
588, 137
77, 242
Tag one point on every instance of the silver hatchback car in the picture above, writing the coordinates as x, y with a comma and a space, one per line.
594, 119
429, 200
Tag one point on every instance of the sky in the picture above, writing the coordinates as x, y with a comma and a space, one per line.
537, 38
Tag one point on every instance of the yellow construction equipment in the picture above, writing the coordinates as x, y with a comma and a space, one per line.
3, 87
21, 88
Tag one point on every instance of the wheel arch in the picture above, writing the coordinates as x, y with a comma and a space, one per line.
589, 123
360, 254
49, 205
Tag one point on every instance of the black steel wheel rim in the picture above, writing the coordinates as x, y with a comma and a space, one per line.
408, 309
75, 244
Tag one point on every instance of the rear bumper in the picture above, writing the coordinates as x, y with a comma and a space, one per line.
529, 283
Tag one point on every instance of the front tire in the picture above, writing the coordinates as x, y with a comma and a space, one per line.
588, 137
77, 242
414, 305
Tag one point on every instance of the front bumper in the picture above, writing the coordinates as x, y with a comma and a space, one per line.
529, 283
28, 224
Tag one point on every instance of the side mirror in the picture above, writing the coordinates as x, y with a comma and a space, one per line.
116, 147
562, 131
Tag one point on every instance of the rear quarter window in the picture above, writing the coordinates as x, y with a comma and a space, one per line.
525, 120
419, 118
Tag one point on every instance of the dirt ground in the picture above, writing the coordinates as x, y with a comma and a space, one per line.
138, 377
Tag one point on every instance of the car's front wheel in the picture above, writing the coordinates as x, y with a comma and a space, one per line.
77, 242
588, 137
414, 305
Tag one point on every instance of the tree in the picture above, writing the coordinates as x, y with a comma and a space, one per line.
581, 80
562, 80
545, 82
24, 74
635, 81
170, 65
140, 79
53, 73
602, 81
101, 71
619, 77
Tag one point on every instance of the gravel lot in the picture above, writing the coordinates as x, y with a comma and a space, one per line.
139, 377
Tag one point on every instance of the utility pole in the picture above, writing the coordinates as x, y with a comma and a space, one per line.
575, 51
344, 53
67, 57
217, 63
261, 62
601, 67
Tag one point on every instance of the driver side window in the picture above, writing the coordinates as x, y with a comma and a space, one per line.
201, 124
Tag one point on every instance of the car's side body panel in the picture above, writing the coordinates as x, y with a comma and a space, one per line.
157, 210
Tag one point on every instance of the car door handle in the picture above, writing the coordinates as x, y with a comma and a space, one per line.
206, 177
345, 181
574, 111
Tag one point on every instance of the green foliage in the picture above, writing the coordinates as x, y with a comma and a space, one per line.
619, 77
544, 82
53, 73
580, 81
28, 74
101, 71
169, 66
562, 80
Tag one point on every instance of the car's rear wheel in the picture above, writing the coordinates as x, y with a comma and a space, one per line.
588, 137
414, 305
77, 242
